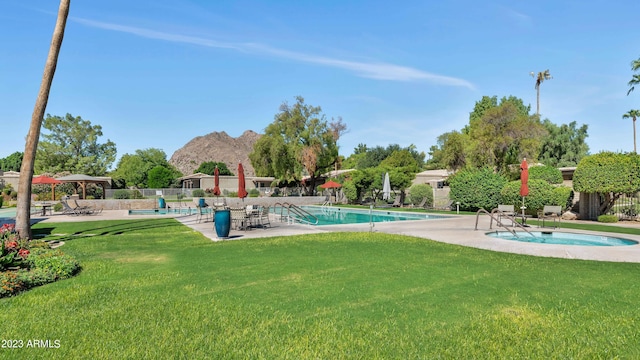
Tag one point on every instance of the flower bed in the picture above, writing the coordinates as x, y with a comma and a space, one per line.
28, 263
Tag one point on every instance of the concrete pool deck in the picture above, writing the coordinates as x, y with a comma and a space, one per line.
456, 229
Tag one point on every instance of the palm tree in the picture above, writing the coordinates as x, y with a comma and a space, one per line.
23, 215
633, 114
635, 80
540, 78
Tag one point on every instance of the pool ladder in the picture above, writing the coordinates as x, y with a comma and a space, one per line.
496, 215
294, 214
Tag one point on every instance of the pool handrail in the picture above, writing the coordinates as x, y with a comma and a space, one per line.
493, 214
299, 214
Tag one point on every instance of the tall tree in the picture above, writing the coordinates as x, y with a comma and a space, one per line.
299, 142
133, 169
23, 217
12, 162
564, 145
71, 144
635, 80
540, 78
633, 114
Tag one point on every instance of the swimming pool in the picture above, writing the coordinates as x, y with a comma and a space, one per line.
563, 238
8, 213
336, 215
185, 211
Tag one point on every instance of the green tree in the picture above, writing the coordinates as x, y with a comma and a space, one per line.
635, 79
402, 168
133, 169
564, 145
364, 157
547, 173
12, 162
632, 114
502, 135
419, 192
71, 144
609, 174
299, 142
160, 177
23, 211
208, 167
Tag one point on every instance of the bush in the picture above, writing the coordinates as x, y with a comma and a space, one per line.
419, 192
57, 207
476, 188
541, 193
254, 193
350, 192
549, 174
607, 218
122, 194
197, 193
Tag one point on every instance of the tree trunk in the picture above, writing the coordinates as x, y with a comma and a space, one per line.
23, 211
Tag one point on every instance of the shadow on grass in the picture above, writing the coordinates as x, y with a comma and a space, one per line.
108, 227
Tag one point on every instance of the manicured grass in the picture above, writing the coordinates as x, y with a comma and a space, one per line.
157, 289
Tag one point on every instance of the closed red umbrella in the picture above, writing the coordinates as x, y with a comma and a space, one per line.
47, 180
242, 192
216, 182
524, 178
524, 187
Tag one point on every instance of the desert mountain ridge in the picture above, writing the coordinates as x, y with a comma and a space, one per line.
218, 147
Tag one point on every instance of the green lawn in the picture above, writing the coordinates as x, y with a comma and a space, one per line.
157, 289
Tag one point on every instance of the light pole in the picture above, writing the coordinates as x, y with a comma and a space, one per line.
540, 78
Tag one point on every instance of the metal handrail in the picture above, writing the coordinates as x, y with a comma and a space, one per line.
499, 223
299, 214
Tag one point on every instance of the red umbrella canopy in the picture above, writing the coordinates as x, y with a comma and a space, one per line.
216, 182
524, 178
330, 184
47, 180
43, 179
242, 192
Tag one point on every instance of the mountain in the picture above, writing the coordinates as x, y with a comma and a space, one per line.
218, 147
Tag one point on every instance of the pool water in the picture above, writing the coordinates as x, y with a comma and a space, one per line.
562, 238
8, 212
337, 215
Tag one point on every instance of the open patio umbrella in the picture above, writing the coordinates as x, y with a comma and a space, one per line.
47, 180
216, 182
330, 185
524, 179
386, 187
242, 192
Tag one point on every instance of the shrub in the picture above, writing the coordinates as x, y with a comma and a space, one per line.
122, 194
254, 193
607, 218
197, 193
476, 188
541, 193
419, 192
549, 174
57, 207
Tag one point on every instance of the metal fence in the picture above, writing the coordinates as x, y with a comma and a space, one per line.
169, 194
626, 207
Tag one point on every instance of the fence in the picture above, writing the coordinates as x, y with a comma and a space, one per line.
626, 207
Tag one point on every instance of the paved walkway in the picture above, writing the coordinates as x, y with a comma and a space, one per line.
459, 230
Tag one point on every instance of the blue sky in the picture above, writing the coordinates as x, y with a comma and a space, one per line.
155, 74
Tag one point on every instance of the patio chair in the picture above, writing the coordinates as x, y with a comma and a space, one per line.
396, 202
262, 219
83, 209
508, 211
204, 213
550, 212
239, 218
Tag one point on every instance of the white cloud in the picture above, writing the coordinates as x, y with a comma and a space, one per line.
372, 70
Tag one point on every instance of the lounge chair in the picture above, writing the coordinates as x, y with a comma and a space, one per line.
68, 210
396, 202
550, 212
262, 219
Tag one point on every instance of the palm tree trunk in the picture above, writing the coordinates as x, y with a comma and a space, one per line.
538, 101
23, 211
